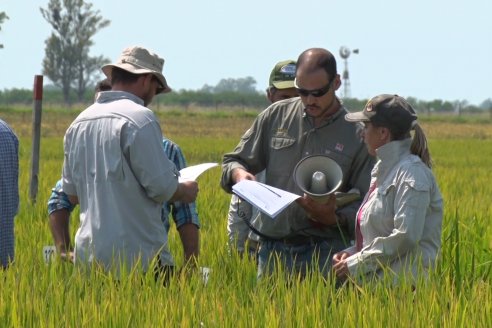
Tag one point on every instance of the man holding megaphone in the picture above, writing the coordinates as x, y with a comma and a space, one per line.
306, 234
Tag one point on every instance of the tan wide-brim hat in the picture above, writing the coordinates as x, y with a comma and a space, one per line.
138, 60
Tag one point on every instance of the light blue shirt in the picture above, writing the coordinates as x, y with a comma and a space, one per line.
182, 213
114, 163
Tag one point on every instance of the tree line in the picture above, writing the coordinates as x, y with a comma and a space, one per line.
181, 98
226, 95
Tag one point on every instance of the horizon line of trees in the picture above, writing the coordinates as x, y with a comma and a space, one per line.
227, 94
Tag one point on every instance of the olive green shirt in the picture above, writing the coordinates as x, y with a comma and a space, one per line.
278, 139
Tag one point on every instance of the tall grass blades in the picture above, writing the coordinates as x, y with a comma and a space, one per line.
457, 292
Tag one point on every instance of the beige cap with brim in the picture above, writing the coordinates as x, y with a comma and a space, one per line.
138, 60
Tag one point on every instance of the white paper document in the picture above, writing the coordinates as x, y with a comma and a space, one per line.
192, 172
267, 199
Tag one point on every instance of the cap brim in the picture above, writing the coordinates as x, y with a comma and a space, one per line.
283, 84
135, 70
357, 117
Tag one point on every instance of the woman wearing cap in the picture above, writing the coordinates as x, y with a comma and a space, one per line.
398, 227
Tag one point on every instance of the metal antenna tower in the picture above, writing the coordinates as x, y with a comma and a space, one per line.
345, 53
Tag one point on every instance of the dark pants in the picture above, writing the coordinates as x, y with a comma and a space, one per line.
298, 258
163, 272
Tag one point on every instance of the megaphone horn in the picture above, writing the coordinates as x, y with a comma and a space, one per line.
318, 176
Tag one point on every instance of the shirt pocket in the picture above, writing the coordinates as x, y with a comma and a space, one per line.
283, 155
383, 206
281, 142
419, 185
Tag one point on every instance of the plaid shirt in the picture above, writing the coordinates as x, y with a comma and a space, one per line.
182, 213
9, 191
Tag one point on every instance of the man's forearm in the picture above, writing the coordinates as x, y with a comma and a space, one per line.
59, 224
189, 236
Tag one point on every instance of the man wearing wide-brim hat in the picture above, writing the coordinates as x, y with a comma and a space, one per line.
143, 65
116, 169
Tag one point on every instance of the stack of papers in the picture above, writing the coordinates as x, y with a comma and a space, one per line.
267, 199
272, 201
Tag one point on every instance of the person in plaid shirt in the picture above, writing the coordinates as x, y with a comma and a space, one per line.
9, 191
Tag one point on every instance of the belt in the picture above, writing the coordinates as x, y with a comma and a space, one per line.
298, 240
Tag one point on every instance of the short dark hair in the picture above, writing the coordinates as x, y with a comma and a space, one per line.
103, 85
315, 58
119, 75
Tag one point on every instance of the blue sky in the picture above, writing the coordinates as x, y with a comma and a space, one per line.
428, 49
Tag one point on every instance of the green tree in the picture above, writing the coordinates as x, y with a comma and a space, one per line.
241, 85
3, 16
67, 62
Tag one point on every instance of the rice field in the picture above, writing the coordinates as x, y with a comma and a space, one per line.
457, 294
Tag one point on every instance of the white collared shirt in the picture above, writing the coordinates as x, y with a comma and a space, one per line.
402, 220
115, 164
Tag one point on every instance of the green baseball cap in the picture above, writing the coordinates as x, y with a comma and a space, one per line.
283, 74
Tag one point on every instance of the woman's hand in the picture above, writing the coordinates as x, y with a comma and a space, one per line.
340, 267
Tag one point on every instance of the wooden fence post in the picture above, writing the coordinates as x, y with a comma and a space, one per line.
36, 136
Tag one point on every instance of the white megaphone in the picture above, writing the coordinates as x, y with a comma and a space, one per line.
318, 176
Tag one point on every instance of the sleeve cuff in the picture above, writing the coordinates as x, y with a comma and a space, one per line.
353, 264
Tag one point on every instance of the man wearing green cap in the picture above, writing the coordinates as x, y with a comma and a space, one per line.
281, 86
281, 83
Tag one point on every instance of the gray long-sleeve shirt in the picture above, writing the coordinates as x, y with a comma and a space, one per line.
281, 136
401, 221
115, 164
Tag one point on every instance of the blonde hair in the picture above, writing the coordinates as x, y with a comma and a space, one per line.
419, 145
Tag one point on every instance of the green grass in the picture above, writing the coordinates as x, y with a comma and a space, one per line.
457, 294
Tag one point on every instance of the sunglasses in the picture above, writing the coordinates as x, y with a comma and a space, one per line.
315, 93
160, 87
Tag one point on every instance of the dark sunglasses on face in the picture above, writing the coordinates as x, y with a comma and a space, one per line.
160, 87
315, 93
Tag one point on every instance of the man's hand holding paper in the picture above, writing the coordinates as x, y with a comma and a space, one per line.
239, 174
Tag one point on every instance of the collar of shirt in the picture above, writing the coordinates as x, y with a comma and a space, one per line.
109, 96
389, 155
328, 120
